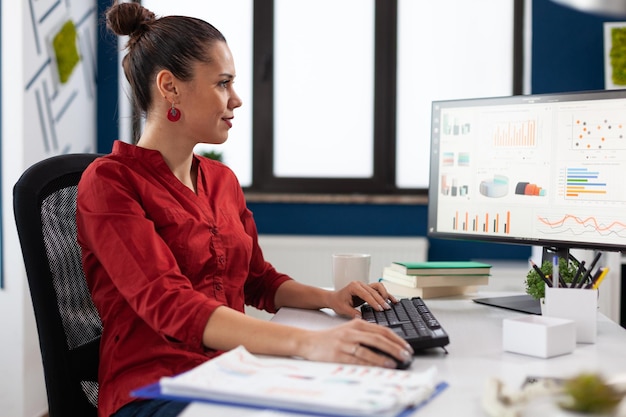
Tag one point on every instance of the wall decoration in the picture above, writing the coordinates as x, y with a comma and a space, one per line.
66, 51
614, 55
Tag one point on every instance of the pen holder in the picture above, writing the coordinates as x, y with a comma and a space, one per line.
576, 304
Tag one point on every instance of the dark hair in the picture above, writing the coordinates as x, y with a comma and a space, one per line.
171, 42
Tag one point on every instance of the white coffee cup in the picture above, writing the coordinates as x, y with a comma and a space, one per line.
349, 267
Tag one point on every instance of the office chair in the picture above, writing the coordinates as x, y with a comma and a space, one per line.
68, 324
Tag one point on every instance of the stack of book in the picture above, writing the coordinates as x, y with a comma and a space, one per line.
434, 279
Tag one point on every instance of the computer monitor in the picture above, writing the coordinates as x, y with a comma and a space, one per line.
546, 170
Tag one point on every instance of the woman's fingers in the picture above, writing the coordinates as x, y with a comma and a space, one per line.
359, 342
356, 293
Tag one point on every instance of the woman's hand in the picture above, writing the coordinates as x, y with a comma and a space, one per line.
345, 300
350, 342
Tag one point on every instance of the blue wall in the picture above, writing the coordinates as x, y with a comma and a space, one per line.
107, 109
567, 50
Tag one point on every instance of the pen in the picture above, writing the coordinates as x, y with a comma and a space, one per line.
581, 268
595, 276
555, 271
598, 279
593, 264
540, 272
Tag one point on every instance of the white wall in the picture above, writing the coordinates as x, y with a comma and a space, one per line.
40, 118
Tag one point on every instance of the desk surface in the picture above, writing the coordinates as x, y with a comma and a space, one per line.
476, 354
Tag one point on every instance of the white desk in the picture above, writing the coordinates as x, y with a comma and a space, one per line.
475, 354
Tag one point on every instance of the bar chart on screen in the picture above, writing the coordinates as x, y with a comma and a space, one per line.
484, 222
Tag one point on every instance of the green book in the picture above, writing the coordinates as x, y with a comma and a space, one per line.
441, 268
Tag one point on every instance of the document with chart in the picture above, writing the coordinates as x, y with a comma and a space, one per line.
319, 388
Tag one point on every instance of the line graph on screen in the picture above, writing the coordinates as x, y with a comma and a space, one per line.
570, 224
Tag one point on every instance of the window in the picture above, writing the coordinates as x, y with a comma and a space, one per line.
323, 89
340, 102
446, 50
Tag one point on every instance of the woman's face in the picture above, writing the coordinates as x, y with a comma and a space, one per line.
209, 99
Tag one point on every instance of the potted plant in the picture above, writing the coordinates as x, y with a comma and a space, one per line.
218, 156
535, 285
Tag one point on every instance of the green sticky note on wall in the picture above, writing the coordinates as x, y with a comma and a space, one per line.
66, 51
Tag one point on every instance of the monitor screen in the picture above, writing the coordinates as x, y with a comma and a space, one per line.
546, 170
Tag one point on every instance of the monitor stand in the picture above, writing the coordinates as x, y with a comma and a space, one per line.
522, 303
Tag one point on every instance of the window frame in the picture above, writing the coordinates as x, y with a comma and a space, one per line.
263, 179
383, 180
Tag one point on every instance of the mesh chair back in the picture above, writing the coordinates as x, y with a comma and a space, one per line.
68, 324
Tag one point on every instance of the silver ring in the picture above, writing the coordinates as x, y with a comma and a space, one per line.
356, 347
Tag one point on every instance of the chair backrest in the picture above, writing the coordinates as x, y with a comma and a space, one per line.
68, 324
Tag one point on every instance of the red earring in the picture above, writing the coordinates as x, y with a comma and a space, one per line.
173, 114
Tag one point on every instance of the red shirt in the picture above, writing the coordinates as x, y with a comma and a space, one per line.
159, 260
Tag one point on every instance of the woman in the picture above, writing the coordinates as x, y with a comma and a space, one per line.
170, 250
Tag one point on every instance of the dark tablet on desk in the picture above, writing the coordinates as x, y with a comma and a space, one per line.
522, 303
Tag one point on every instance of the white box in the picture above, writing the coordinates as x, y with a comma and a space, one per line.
577, 304
539, 336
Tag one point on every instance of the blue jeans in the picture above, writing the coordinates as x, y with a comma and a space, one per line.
152, 408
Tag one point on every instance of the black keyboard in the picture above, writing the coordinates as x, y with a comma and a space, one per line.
412, 320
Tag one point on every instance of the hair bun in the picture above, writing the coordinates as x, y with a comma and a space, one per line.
128, 18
